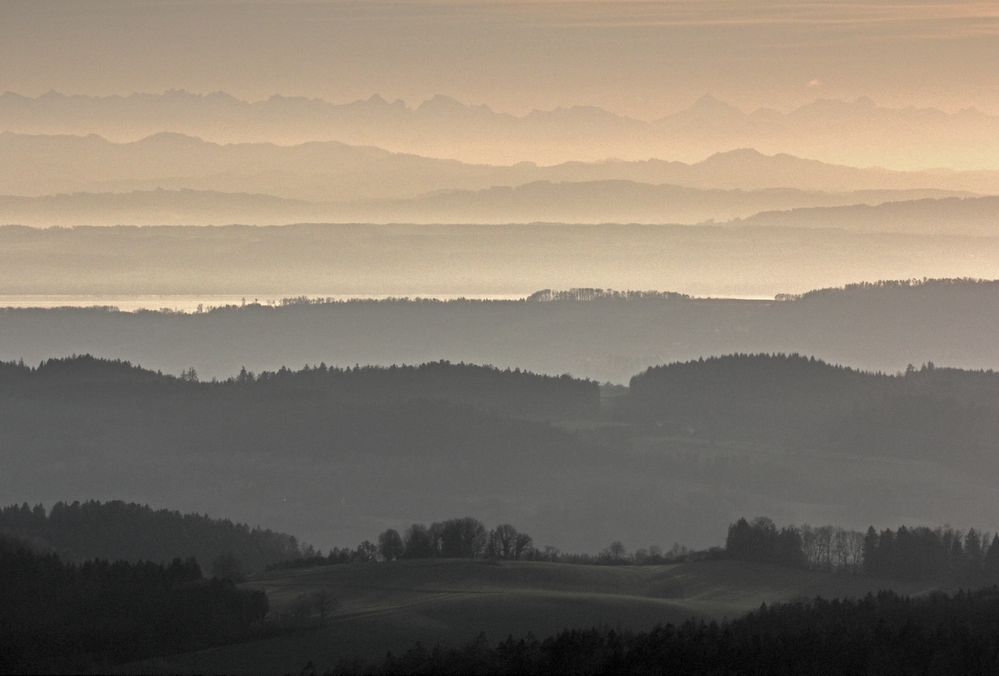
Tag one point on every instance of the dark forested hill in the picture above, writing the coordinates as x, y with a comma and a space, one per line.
929, 412
319, 452
512, 392
131, 532
58, 617
879, 634
336, 455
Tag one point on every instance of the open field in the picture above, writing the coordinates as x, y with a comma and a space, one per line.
391, 606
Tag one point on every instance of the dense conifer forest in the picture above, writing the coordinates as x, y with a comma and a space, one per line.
880, 634
130, 532
944, 556
58, 616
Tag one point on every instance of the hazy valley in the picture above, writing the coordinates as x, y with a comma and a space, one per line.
541, 361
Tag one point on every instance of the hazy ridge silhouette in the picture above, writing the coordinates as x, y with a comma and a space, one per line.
850, 132
336, 455
593, 202
608, 337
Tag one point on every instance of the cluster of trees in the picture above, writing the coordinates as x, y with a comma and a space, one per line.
117, 530
469, 538
541, 296
883, 633
918, 553
761, 540
922, 553
820, 548
588, 294
464, 538
62, 617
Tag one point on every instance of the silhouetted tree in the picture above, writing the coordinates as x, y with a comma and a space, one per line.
390, 545
419, 544
366, 552
991, 564
502, 541
463, 538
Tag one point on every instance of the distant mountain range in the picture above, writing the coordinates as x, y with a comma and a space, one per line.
849, 132
609, 201
373, 184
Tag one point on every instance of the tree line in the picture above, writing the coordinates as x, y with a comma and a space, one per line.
465, 538
879, 634
509, 391
921, 553
62, 617
942, 555
592, 294
469, 538
892, 285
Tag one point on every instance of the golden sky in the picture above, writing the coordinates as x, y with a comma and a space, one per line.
639, 58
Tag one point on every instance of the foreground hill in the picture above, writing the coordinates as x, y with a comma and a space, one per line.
391, 606
58, 617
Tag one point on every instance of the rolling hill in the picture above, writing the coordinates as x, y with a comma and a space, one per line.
299, 450
392, 606
944, 414
337, 456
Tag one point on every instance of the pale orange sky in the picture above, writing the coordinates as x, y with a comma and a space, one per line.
639, 58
